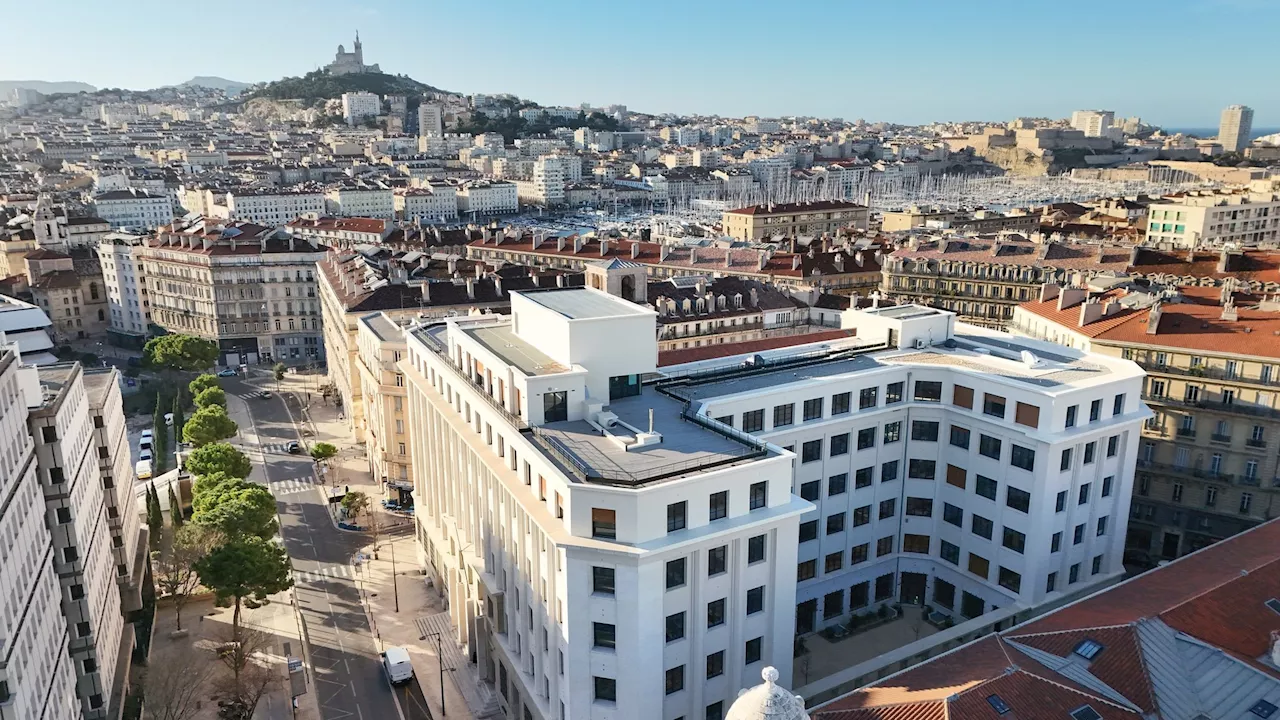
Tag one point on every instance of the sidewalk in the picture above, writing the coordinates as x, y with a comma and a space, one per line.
209, 626
421, 611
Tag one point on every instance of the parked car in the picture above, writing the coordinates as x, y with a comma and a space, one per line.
147, 434
395, 662
144, 444
227, 373
143, 469
144, 454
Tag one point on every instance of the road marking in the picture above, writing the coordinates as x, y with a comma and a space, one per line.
288, 486
279, 448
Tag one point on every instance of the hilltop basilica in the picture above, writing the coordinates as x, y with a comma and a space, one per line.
350, 63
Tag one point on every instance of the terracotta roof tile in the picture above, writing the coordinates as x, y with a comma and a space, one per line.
1155, 592
1070, 317
1119, 665
1233, 616
1196, 324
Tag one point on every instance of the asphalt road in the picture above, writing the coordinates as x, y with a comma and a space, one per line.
349, 680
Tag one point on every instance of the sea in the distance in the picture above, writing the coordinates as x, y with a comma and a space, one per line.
1203, 132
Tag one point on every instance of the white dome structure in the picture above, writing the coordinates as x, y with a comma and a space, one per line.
767, 701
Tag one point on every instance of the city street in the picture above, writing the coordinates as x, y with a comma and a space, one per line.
349, 681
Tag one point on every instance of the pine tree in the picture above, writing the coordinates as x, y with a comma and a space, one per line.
160, 439
155, 519
175, 508
177, 415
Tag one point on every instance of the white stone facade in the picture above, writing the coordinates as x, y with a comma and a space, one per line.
37, 671
126, 287
273, 208
134, 209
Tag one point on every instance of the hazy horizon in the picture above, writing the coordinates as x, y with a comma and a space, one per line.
911, 62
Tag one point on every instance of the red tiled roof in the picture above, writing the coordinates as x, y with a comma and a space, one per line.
710, 352
1216, 617
1161, 590
1260, 266
707, 259
1196, 324
1119, 665
355, 224
1070, 317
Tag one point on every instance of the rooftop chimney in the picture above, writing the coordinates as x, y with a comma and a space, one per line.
1048, 291
859, 259
471, 289
426, 293
702, 285
560, 243
1111, 307
1153, 318
1229, 312
755, 298
795, 261
559, 281
1090, 311
577, 244
1133, 255
497, 286
1071, 296
635, 250
1224, 259
604, 246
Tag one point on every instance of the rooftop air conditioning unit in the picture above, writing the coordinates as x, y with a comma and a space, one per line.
921, 344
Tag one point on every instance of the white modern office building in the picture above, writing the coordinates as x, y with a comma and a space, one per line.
950, 465
606, 550
922, 462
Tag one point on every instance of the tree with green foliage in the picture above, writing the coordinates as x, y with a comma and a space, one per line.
204, 483
175, 508
186, 353
277, 371
236, 507
245, 567
202, 383
211, 396
155, 517
207, 425
218, 457
323, 451
159, 436
177, 414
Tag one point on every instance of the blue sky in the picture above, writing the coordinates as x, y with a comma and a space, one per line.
1172, 62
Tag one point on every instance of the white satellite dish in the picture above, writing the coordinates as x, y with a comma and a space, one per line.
1030, 360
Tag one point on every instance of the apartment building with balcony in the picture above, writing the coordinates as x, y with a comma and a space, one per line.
1207, 465
98, 640
128, 311
405, 287
37, 679
982, 279
921, 461
251, 289
762, 222
1213, 218
380, 346
840, 269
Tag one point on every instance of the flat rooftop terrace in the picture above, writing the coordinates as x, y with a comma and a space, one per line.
687, 447
501, 341
582, 304
996, 355
383, 328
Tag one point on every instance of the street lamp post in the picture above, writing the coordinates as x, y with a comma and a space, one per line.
439, 664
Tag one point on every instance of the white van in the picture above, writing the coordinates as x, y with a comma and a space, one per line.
395, 661
143, 469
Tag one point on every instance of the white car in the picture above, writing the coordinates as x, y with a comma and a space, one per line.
144, 455
147, 435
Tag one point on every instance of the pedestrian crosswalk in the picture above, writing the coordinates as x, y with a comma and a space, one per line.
250, 395
293, 485
342, 572
275, 447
